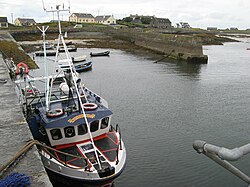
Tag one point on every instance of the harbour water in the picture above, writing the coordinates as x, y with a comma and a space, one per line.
163, 107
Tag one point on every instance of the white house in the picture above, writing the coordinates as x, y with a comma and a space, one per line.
106, 19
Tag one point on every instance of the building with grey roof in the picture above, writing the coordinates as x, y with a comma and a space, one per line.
81, 18
3, 22
106, 19
24, 22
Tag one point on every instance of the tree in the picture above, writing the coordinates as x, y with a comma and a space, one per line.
145, 19
127, 19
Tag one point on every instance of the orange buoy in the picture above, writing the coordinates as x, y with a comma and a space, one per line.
55, 112
89, 106
23, 66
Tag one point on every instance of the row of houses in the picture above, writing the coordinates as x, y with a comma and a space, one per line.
75, 17
105, 19
89, 18
155, 22
18, 21
149, 20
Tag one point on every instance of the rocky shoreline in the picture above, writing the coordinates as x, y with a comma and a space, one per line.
175, 46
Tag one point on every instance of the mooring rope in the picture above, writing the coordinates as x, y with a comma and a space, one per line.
27, 147
3, 81
23, 150
165, 56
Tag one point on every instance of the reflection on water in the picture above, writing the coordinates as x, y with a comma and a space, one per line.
110, 184
184, 69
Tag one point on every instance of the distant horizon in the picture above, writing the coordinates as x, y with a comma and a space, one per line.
202, 14
43, 21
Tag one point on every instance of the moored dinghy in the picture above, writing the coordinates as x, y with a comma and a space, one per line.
48, 53
78, 144
105, 53
70, 48
83, 67
79, 58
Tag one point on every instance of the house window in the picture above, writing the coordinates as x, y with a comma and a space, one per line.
3, 24
56, 134
82, 129
104, 123
94, 126
69, 132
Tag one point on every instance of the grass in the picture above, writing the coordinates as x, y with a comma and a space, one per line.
10, 49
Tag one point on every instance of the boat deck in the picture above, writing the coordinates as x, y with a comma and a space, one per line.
106, 145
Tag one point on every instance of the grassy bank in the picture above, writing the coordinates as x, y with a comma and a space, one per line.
10, 49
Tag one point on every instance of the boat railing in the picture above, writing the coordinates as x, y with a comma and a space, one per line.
117, 129
222, 155
47, 150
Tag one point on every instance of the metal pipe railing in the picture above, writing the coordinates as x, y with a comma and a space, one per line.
222, 152
222, 155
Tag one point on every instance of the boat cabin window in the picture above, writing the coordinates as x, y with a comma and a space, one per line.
69, 132
104, 123
94, 126
56, 134
82, 129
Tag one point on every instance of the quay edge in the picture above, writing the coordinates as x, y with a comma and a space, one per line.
15, 133
187, 48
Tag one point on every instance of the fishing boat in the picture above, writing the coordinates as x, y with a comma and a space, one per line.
105, 53
77, 143
70, 48
79, 58
48, 46
83, 67
48, 53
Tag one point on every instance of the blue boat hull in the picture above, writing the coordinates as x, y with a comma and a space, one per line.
84, 67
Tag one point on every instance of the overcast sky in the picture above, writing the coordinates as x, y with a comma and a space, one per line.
198, 13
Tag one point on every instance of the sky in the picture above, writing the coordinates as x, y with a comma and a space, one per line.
198, 13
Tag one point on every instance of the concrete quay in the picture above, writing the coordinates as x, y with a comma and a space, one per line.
15, 132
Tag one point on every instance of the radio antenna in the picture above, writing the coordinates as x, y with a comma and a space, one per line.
57, 7
43, 6
69, 6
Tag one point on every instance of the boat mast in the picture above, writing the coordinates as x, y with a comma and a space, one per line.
46, 89
74, 77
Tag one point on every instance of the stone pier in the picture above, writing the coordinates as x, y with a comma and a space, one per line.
15, 131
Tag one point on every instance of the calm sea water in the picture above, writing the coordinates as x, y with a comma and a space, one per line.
162, 108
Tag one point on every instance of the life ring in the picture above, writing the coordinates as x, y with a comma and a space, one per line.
21, 65
55, 112
89, 106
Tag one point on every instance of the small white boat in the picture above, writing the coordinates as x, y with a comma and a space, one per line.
79, 58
